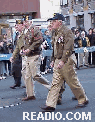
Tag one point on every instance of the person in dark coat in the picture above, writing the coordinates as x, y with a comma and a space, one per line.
76, 42
7, 46
93, 44
90, 33
2, 49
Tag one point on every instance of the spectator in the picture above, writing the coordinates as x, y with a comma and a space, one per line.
93, 38
47, 37
77, 38
2, 67
43, 58
81, 29
91, 43
7, 48
76, 42
90, 36
84, 42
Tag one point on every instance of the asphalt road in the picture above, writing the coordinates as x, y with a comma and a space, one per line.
12, 109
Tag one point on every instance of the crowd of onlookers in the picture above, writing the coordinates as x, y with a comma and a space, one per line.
6, 47
46, 45
84, 39
81, 39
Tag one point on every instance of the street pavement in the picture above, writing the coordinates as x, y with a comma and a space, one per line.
12, 108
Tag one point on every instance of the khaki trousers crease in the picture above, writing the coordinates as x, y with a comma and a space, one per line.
33, 73
67, 73
23, 71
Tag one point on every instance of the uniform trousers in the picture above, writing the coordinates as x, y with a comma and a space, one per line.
23, 71
33, 73
69, 75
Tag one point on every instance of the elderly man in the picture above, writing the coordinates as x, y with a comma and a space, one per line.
28, 45
63, 65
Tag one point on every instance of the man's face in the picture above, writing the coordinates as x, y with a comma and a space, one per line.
83, 35
26, 24
90, 32
55, 24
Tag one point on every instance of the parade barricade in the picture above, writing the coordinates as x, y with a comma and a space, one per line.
77, 50
5, 57
84, 49
47, 53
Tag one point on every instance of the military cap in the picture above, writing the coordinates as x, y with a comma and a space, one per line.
57, 16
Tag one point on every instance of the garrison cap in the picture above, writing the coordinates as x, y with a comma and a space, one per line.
57, 16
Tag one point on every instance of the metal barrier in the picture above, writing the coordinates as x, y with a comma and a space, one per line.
77, 50
5, 56
84, 49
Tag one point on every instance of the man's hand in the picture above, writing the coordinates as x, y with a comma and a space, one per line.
11, 59
52, 64
60, 65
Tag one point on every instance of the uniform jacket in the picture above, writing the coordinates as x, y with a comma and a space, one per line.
63, 43
31, 40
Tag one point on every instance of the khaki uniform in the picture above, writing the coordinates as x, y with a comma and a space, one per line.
19, 46
62, 50
33, 40
30, 62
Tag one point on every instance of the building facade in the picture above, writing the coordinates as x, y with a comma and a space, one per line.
79, 13
18, 9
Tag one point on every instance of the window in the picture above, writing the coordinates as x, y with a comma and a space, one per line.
78, 1
10, 17
93, 20
80, 21
67, 20
64, 3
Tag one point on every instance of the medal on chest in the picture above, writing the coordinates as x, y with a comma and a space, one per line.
60, 39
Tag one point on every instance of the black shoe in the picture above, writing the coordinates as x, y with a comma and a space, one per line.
74, 98
81, 66
59, 102
5, 74
82, 105
13, 87
48, 109
23, 86
86, 65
